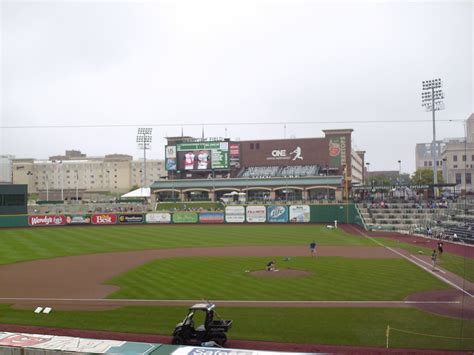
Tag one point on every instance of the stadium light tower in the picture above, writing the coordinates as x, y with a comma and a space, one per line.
432, 100
144, 138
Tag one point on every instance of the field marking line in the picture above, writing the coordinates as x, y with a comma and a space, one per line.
427, 263
421, 266
119, 300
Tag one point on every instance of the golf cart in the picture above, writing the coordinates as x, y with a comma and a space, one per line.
211, 329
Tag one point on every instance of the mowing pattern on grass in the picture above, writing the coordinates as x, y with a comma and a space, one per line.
332, 278
41, 243
348, 326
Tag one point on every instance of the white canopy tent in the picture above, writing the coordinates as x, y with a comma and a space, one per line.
143, 192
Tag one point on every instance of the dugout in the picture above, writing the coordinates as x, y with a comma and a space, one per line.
13, 199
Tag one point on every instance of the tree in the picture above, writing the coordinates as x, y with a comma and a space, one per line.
424, 176
379, 180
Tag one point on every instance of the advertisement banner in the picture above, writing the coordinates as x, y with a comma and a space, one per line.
299, 214
104, 218
131, 218
170, 164
158, 218
256, 214
78, 219
234, 155
211, 217
337, 151
235, 214
170, 151
277, 214
47, 220
185, 217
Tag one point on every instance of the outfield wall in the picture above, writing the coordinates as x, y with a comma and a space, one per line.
271, 214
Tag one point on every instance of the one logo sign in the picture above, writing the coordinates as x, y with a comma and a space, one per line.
105, 218
297, 153
46, 220
283, 154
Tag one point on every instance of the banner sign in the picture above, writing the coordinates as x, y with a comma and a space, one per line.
47, 220
104, 218
256, 214
299, 214
235, 214
78, 219
211, 217
158, 218
185, 217
234, 155
61, 344
337, 151
130, 218
277, 214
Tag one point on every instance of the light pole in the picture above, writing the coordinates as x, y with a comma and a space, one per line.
144, 138
432, 100
77, 186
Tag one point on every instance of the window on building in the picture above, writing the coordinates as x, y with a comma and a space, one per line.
458, 178
463, 158
425, 163
251, 145
430, 163
455, 158
437, 163
257, 146
468, 178
455, 166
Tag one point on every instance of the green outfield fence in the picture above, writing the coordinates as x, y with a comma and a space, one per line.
320, 214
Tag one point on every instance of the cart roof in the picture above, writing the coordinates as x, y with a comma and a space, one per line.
206, 306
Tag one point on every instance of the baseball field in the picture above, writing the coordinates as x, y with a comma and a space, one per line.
140, 279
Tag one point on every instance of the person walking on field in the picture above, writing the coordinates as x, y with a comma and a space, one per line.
434, 256
312, 248
440, 249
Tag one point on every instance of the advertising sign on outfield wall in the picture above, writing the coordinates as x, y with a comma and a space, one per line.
78, 219
185, 217
104, 218
131, 218
277, 214
256, 214
158, 218
211, 217
299, 214
235, 214
47, 220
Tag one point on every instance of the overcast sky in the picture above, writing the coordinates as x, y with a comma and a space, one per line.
227, 62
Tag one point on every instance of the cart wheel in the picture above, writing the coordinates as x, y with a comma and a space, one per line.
177, 340
220, 340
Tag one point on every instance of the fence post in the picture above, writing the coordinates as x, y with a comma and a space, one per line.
387, 334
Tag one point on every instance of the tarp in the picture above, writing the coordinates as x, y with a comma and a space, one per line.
141, 192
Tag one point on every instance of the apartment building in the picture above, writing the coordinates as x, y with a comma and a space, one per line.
6, 169
74, 174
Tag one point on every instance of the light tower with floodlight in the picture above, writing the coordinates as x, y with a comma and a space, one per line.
432, 100
144, 138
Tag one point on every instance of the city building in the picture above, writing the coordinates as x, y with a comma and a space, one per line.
274, 169
75, 176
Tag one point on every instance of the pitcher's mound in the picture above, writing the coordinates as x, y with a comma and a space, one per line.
280, 273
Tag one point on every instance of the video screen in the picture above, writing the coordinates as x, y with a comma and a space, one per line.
195, 160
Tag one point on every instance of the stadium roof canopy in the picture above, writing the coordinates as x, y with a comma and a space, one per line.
244, 183
141, 192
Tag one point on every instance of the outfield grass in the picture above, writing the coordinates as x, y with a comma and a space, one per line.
337, 326
219, 278
40, 243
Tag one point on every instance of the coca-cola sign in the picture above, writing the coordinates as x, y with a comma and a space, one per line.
104, 218
47, 220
